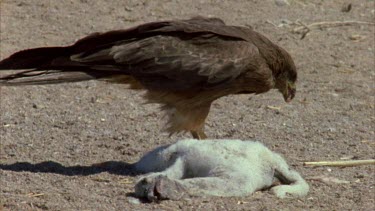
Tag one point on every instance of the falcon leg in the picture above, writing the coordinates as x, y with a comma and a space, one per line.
200, 135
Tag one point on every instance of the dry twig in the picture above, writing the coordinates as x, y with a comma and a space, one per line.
274, 108
341, 163
35, 194
305, 29
126, 181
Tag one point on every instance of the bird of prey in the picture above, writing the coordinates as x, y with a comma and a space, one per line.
184, 65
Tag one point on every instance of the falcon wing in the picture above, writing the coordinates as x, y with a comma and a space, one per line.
170, 62
177, 55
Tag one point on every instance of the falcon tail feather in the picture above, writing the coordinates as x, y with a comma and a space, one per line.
48, 65
33, 58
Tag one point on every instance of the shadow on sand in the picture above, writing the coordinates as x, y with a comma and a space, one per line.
112, 167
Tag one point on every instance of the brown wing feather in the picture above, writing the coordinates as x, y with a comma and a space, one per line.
171, 62
190, 26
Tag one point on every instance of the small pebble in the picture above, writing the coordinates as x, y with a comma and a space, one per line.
281, 3
346, 8
133, 200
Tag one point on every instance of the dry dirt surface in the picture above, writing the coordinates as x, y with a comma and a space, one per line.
68, 146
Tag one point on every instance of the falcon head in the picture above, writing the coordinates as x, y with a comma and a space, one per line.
286, 81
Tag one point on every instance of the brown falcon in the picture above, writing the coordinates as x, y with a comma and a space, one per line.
183, 64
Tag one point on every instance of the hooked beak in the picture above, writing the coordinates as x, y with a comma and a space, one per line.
289, 92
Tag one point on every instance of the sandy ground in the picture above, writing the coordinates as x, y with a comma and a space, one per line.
67, 146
